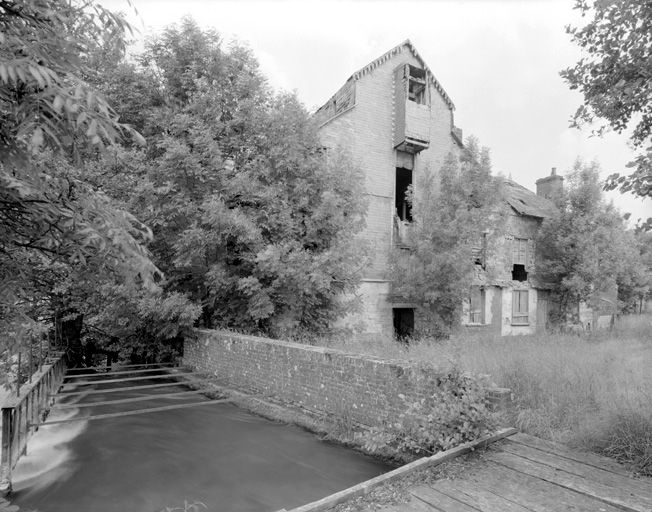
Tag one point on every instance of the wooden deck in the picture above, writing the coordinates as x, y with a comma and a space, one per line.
524, 474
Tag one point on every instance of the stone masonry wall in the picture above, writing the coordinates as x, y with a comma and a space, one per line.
318, 379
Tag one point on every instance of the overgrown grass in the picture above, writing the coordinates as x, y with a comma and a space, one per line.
592, 392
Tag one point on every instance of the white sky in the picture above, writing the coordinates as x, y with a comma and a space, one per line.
499, 61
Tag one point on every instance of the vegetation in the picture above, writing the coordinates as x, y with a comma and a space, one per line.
451, 210
225, 211
590, 392
586, 249
614, 78
455, 412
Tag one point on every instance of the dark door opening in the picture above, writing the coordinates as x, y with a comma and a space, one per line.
403, 322
403, 181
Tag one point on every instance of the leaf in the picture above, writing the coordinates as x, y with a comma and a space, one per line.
35, 73
3, 72
37, 139
57, 103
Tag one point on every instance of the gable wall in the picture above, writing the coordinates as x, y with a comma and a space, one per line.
366, 131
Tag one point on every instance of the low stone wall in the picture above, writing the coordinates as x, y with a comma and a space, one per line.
361, 388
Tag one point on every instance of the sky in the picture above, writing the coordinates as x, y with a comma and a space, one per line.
498, 60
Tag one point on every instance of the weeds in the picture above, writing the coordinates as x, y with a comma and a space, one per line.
592, 392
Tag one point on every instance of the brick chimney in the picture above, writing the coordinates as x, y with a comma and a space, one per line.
551, 187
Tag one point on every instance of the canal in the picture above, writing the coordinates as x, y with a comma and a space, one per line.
219, 455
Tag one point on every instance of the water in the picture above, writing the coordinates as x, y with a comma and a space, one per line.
219, 455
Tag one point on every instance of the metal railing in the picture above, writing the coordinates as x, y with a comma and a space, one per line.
24, 410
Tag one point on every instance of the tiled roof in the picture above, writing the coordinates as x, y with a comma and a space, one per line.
526, 202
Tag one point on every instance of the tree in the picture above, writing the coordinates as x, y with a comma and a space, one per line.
585, 248
251, 216
616, 79
451, 210
61, 239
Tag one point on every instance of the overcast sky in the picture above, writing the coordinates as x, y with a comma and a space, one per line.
499, 61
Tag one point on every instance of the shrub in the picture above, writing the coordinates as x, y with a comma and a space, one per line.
454, 412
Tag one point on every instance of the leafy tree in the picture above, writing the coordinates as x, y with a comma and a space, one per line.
585, 247
61, 239
615, 79
451, 209
250, 217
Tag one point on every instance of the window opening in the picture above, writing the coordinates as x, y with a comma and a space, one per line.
403, 181
417, 85
403, 322
519, 273
520, 307
476, 311
480, 251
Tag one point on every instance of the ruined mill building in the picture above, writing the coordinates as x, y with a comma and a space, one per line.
396, 120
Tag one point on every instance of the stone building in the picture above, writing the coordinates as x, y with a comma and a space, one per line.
396, 120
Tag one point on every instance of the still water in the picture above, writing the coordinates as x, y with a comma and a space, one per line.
218, 454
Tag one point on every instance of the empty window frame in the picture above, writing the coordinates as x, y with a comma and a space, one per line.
403, 182
480, 250
520, 310
417, 90
476, 309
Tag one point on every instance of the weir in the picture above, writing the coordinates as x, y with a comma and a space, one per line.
22, 413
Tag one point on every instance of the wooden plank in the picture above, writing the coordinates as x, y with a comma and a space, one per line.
129, 379
440, 501
128, 388
590, 459
130, 400
640, 486
477, 497
366, 487
138, 411
414, 505
607, 494
121, 372
532, 493
121, 366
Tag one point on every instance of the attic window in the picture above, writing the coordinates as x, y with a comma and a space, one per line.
416, 85
519, 273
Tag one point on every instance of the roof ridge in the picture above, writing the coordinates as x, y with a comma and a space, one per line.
398, 49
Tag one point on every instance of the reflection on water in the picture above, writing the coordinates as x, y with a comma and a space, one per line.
216, 454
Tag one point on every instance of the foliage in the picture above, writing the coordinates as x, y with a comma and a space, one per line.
450, 213
455, 412
61, 239
585, 248
615, 79
251, 217
591, 392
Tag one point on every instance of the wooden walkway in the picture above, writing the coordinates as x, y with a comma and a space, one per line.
526, 474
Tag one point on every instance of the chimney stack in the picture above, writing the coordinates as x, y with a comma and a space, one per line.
551, 187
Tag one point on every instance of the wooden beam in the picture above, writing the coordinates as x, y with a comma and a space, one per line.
133, 413
128, 400
121, 372
127, 388
128, 379
121, 366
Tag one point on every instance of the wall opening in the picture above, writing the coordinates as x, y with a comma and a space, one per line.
403, 322
403, 182
417, 85
519, 273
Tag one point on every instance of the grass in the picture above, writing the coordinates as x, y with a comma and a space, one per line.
592, 392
